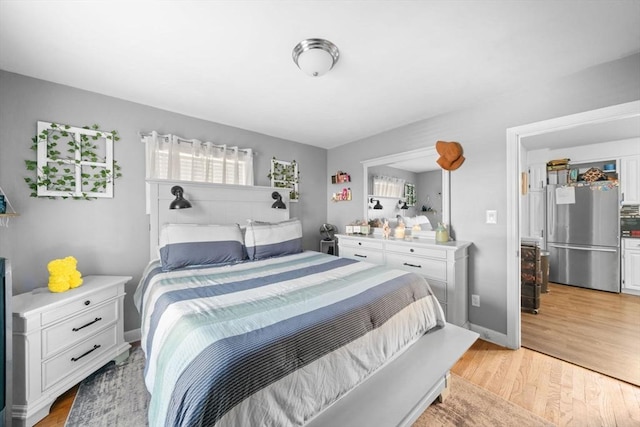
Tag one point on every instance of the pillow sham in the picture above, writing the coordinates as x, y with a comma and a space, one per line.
267, 240
184, 245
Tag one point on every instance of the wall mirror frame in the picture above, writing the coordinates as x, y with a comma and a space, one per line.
515, 141
426, 156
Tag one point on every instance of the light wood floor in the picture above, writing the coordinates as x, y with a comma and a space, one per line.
562, 393
595, 329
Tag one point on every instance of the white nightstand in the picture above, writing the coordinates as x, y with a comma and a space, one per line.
61, 338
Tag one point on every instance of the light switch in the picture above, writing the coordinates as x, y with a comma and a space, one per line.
492, 217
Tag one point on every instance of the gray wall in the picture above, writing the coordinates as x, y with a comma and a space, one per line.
479, 184
110, 236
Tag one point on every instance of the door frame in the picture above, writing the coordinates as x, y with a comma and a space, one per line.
514, 176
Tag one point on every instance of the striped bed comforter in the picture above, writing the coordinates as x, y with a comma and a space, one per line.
272, 342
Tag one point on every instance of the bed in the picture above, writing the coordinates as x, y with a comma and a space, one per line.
264, 333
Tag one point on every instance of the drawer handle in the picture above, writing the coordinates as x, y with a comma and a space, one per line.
95, 347
412, 265
361, 256
360, 243
411, 250
87, 302
88, 324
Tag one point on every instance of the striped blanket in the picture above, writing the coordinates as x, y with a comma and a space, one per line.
272, 342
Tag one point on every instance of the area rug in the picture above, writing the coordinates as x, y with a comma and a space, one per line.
116, 396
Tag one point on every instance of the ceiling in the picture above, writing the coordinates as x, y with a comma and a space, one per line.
230, 61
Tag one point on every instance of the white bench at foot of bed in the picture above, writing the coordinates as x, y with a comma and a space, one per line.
400, 392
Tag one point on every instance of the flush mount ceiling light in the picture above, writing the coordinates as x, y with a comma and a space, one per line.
315, 56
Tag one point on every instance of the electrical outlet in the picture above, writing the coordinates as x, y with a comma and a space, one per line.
475, 300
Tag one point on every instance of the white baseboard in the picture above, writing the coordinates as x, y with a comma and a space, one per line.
132, 336
490, 335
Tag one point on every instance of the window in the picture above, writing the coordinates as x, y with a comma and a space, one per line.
174, 158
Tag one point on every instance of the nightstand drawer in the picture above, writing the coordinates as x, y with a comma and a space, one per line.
416, 250
78, 357
73, 330
360, 254
427, 267
79, 305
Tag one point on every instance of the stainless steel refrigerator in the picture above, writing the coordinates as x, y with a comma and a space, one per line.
582, 236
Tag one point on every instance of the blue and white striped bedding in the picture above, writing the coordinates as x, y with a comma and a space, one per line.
272, 342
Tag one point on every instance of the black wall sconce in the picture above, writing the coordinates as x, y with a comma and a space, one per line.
179, 202
278, 204
403, 205
377, 205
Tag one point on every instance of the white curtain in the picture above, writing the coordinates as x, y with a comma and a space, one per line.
172, 157
387, 186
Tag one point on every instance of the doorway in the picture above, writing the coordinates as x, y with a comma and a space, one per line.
515, 140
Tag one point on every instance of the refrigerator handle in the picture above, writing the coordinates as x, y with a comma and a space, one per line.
551, 210
582, 248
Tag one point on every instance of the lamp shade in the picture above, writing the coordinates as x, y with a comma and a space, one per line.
179, 202
315, 56
278, 204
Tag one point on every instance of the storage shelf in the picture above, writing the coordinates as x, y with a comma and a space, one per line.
9, 214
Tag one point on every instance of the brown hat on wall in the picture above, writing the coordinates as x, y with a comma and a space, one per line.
450, 155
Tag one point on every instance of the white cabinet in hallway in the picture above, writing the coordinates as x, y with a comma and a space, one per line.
537, 177
630, 180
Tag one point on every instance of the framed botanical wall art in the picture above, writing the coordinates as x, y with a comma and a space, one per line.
73, 162
410, 194
285, 174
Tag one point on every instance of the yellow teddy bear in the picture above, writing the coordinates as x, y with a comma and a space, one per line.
63, 274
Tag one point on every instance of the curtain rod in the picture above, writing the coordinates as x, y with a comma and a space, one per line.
143, 134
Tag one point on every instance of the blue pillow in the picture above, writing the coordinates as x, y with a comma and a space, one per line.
267, 240
185, 245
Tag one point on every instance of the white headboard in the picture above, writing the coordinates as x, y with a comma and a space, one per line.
211, 204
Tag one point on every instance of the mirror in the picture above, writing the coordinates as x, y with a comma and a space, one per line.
417, 167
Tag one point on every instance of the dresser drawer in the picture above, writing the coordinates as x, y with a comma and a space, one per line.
75, 329
78, 357
78, 305
408, 249
361, 243
360, 254
427, 267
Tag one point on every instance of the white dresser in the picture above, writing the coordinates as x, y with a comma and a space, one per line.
61, 338
444, 265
